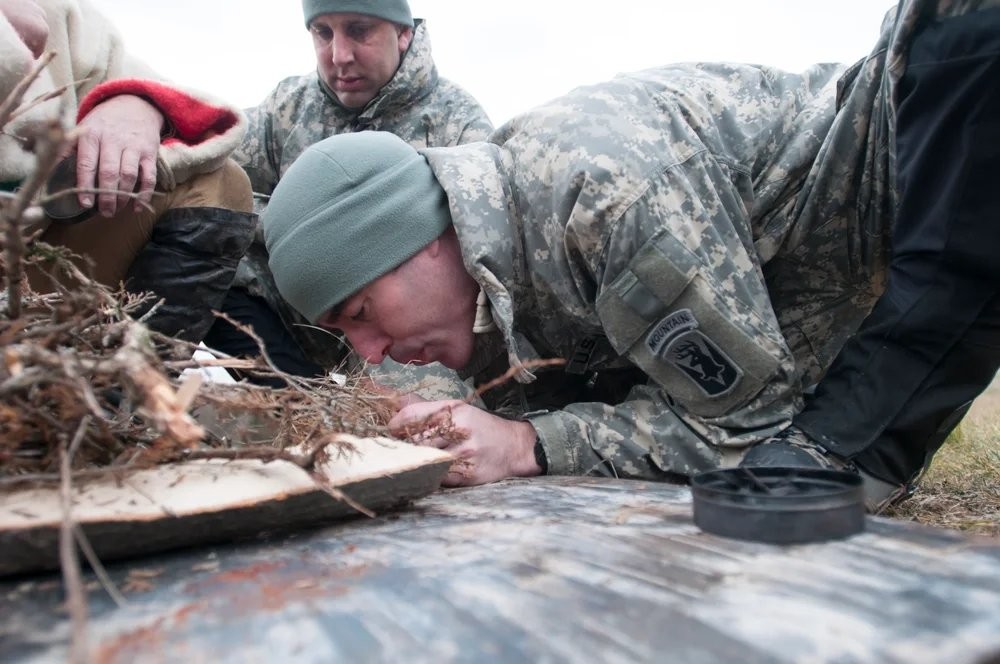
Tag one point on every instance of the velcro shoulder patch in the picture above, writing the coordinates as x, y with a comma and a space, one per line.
677, 340
668, 329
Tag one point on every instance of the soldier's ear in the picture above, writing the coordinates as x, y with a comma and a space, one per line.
405, 37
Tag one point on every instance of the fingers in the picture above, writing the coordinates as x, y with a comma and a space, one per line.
455, 478
428, 423
113, 170
128, 175
484, 444
136, 174
434, 430
426, 440
413, 416
87, 157
462, 472
116, 155
147, 181
107, 182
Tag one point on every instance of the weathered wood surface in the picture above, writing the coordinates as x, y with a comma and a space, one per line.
547, 570
199, 502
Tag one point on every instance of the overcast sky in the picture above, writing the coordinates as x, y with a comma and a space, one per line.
510, 54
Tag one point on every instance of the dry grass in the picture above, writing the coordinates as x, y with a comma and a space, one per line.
961, 489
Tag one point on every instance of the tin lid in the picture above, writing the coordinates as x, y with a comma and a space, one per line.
780, 505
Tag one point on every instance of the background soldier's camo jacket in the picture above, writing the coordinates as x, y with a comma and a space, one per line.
722, 228
417, 105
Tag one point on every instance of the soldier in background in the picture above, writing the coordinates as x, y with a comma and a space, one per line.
374, 72
702, 244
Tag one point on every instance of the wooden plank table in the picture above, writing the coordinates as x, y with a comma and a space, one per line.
544, 570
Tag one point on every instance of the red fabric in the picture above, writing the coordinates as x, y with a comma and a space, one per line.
193, 120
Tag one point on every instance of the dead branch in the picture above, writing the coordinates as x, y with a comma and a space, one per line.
39, 100
293, 381
95, 564
49, 146
97, 191
510, 373
158, 401
13, 100
265, 454
337, 494
76, 596
222, 363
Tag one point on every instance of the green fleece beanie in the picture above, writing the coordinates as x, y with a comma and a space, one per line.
350, 209
395, 11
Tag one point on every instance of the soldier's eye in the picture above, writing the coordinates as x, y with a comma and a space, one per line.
321, 32
358, 31
362, 313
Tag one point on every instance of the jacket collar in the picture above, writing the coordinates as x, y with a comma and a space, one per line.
482, 210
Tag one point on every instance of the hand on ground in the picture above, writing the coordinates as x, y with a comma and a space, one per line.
488, 448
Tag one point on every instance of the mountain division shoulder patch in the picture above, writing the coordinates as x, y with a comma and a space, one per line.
677, 339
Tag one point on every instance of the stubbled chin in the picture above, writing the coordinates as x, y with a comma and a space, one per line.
351, 104
458, 359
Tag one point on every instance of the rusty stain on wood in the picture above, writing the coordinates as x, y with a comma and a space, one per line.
552, 569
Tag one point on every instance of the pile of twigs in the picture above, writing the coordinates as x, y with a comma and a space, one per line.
87, 390
75, 364
76, 355
78, 369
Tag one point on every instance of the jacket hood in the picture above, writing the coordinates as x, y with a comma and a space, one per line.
481, 205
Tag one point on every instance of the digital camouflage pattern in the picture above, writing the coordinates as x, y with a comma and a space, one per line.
697, 241
417, 105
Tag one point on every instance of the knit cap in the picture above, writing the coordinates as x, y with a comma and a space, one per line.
350, 209
395, 11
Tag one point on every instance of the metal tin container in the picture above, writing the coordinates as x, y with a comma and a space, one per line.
779, 505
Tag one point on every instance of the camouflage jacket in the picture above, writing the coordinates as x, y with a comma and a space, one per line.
697, 241
417, 105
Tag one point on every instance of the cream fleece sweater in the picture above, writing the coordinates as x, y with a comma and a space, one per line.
89, 54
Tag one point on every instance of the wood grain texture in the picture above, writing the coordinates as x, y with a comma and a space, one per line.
199, 502
544, 570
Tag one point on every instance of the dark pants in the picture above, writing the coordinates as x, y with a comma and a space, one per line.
932, 342
280, 345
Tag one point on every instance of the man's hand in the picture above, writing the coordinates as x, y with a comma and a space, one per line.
488, 447
28, 19
117, 150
